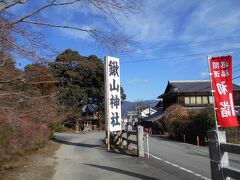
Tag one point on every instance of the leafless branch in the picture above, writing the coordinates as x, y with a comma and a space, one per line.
11, 80
111, 41
22, 50
44, 82
29, 37
59, 26
111, 7
24, 42
3, 62
7, 5
17, 46
46, 107
52, 3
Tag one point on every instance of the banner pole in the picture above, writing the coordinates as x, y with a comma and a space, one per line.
212, 92
107, 125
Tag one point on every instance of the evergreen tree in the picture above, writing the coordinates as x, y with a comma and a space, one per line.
78, 78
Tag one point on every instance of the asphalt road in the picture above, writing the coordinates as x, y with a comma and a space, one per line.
187, 157
85, 157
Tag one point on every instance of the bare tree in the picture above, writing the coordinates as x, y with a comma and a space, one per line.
27, 98
17, 37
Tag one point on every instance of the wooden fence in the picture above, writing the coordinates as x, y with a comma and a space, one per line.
124, 139
218, 153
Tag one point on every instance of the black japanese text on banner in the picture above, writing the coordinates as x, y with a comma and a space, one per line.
113, 95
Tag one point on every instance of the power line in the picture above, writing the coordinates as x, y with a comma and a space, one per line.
190, 47
236, 68
192, 44
204, 79
180, 56
236, 77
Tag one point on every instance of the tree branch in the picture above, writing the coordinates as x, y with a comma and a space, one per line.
111, 42
36, 110
27, 36
11, 80
44, 82
10, 4
112, 7
3, 62
23, 50
52, 3
17, 46
25, 96
59, 26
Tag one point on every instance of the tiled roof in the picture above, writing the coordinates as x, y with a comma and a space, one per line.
195, 86
192, 86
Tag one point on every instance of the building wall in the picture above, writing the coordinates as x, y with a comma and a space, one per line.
169, 100
194, 99
236, 96
197, 100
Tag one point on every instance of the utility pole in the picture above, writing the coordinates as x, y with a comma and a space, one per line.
138, 113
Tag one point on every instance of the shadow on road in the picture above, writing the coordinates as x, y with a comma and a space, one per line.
198, 154
60, 141
121, 171
116, 150
162, 138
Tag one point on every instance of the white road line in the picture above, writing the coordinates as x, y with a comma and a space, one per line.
177, 166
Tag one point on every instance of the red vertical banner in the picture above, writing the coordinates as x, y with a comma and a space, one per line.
221, 75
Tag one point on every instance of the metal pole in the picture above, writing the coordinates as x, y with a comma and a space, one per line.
198, 140
108, 139
214, 105
217, 143
147, 146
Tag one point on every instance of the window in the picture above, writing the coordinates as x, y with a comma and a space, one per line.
186, 99
205, 100
192, 100
199, 99
210, 99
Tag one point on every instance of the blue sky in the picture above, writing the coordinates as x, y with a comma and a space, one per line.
171, 40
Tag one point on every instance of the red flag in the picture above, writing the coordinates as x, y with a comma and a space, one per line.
221, 73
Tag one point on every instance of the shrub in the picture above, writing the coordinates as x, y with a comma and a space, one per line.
175, 120
200, 123
178, 123
26, 136
233, 135
18, 137
5, 134
57, 127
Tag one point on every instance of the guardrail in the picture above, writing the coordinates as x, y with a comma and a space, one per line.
218, 153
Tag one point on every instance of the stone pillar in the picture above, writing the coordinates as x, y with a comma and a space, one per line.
77, 127
140, 145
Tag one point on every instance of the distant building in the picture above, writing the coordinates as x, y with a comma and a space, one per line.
147, 112
132, 118
152, 122
194, 94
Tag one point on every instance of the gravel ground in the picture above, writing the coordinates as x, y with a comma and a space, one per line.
37, 165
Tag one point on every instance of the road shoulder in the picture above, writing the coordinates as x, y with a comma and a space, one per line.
36, 165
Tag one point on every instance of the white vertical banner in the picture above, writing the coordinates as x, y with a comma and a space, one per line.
112, 94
